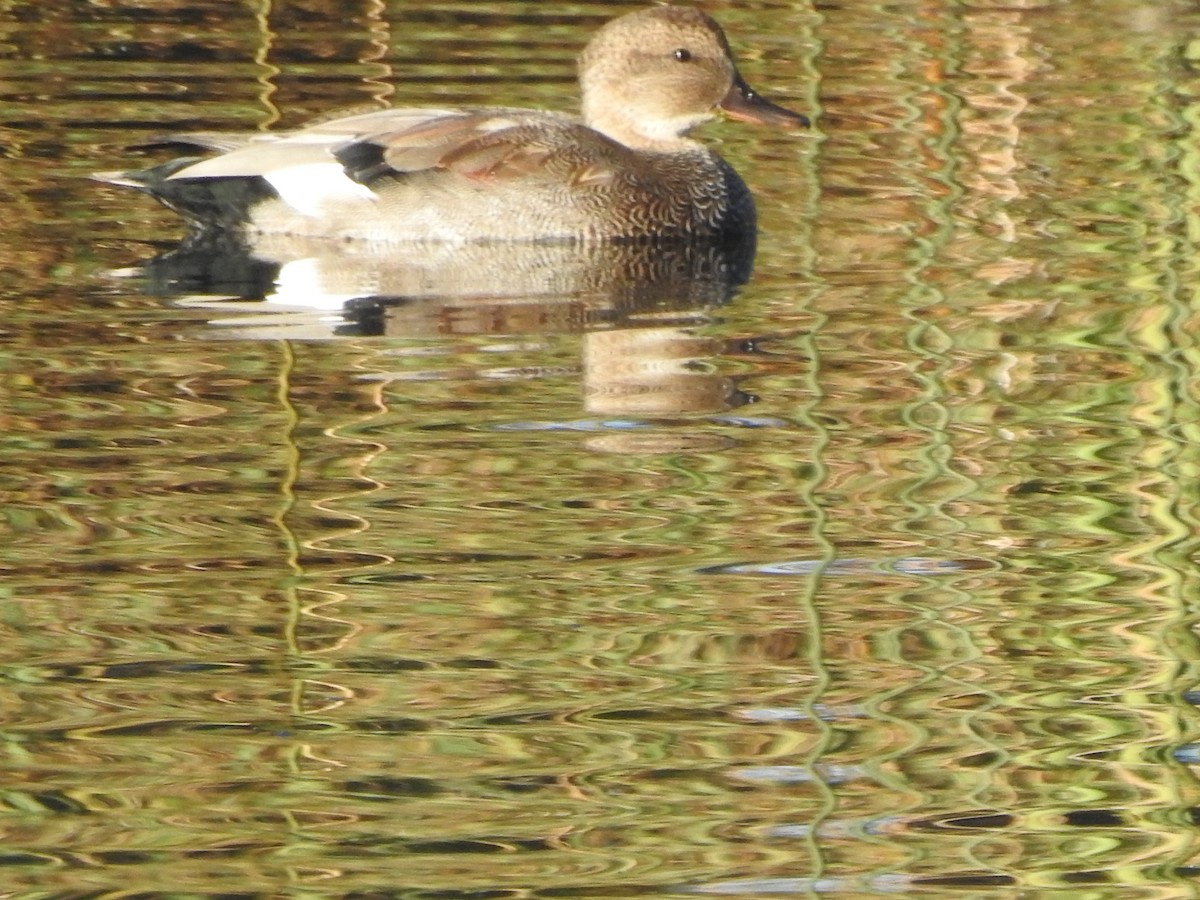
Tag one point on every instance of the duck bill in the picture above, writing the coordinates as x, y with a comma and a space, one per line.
743, 105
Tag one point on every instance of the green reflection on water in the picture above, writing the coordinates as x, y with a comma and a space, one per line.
406, 615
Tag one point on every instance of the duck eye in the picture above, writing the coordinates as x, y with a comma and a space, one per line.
683, 54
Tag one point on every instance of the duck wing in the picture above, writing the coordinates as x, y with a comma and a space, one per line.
493, 145
351, 158
263, 154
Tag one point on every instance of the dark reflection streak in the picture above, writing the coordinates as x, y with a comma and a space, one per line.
810, 490
1004, 37
1173, 555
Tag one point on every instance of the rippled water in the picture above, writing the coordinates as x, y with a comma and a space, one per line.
875, 574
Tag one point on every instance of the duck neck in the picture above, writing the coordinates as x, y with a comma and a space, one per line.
648, 137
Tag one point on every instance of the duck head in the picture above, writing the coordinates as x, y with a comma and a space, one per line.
650, 77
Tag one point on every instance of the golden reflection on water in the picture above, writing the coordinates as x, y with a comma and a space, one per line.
875, 575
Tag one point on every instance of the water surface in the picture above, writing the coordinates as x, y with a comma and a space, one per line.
873, 574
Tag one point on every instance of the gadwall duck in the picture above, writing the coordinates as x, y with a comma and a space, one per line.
624, 170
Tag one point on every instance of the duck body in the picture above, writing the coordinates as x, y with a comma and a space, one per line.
625, 170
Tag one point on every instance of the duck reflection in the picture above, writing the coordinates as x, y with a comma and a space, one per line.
637, 305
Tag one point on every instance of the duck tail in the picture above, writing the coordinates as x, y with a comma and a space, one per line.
144, 179
121, 178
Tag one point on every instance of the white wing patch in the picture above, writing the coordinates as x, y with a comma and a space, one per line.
300, 168
308, 187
